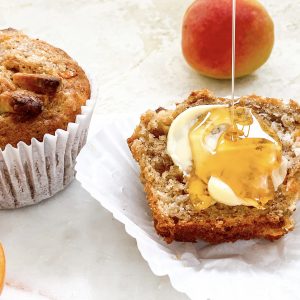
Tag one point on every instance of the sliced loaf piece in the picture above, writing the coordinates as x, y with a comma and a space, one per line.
166, 186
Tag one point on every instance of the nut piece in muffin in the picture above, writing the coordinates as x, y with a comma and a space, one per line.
42, 88
167, 183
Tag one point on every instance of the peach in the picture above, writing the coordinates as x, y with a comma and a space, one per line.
2, 268
207, 32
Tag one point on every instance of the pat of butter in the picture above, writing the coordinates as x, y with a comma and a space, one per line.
178, 147
279, 174
222, 193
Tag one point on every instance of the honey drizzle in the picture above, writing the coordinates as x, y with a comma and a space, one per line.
233, 53
232, 102
244, 159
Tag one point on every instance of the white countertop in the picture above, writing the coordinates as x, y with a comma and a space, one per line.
69, 247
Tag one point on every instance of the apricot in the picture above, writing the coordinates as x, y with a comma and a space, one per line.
207, 34
2, 268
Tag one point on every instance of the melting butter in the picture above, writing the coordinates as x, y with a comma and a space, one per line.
235, 166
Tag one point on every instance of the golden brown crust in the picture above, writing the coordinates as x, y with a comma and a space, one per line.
165, 185
48, 83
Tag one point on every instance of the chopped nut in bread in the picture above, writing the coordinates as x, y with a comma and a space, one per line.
23, 103
37, 83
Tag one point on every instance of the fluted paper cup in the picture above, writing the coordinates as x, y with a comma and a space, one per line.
32, 173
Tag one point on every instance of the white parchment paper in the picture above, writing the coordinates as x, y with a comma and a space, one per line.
255, 269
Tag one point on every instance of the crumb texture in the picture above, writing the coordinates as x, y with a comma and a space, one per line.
166, 187
41, 88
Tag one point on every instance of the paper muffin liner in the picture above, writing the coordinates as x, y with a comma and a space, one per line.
32, 173
255, 269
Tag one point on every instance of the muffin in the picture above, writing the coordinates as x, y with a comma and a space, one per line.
176, 218
44, 117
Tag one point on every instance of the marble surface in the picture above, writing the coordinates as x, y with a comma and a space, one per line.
69, 247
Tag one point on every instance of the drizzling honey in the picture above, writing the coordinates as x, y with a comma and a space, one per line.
242, 156
232, 102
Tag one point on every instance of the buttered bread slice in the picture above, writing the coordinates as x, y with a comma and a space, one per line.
222, 216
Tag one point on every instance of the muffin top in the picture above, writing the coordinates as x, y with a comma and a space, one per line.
42, 88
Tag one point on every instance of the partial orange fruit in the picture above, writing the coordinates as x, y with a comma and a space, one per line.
2, 268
